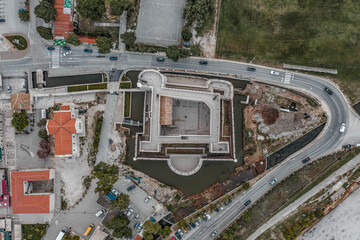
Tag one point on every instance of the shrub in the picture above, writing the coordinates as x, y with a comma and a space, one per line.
44, 32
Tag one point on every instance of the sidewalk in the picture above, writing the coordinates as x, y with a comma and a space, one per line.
294, 206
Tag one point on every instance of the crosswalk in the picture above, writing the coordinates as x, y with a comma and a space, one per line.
288, 78
55, 57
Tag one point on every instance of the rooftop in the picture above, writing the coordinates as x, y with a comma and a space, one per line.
20, 101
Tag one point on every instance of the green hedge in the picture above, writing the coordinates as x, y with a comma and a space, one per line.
22, 43
77, 88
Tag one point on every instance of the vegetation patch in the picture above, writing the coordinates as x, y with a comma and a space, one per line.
127, 104
33, 231
97, 86
98, 126
77, 88
18, 41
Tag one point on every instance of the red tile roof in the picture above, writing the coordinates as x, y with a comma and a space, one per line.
63, 25
22, 203
62, 126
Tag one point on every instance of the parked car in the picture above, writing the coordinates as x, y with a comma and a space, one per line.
136, 217
342, 127
88, 50
131, 187
347, 146
160, 59
197, 223
101, 212
113, 58
207, 216
217, 210
136, 225
51, 48
181, 232
9, 89
192, 225
221, 207
306, 160
128, 214
115, 192
152, 219
147, 199
202, 62
251, 69
247, 203
82, 111
141, 225
66, 48
274, 73
328, 91
100, 56
177, 235
273, 181
2, 20
213, 234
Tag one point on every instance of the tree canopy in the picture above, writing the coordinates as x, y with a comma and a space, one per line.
122, 232
73, 39
186, 35
19, 121
121, 202
128, 38
24, 16
44, 32
174, 53
104, 44
93, 9
46, 11
119, 224
117, 7
107, 175
198, 11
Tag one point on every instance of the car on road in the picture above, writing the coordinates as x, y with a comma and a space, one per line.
147, 199
113, 58
2, 20
342, 127
202, 62
66, 48
51, 48
115, 192
88, 50
9, 89
100, 56
273, 181
306, 160
213, 234
101, 212
66, 53
131, 187
274, 73
328, 91
251, 69
160, 59
347, 146
247, 203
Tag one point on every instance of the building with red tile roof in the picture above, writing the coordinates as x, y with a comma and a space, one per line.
65, 127
24, 202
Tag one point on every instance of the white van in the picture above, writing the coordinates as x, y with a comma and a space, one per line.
61, 235
99, 213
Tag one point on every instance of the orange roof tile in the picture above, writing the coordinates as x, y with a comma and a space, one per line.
65, 108
20, 101
22, 203
62, 126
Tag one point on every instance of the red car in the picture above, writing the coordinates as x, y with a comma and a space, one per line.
173, 238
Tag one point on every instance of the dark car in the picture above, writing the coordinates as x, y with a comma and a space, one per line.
88, 50
131, 187
100, 56
82, 111
51, 48
192, 225
217, 210
328, 91
160, 59
66, 48
152, 219
113, 58
2, 20
251, 69
177, 235
203, 62
347, 146
306, 160
247, 203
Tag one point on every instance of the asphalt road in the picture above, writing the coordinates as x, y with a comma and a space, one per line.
328, 141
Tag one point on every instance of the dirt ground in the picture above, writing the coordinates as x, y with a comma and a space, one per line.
267, 128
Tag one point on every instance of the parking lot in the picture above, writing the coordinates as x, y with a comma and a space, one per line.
160, 22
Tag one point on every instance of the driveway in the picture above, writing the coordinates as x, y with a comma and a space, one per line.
160, 22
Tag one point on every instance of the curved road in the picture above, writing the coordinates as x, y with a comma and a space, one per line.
329, 140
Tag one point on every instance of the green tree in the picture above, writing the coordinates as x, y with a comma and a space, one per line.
44, 32
195, 50
46, 11
121, 202
148, 236
198, 11
165, 231
174, 53
182, 223
122, 232
24, 16
19, 121
43, 134
246, 186
247, 215
93, 9
128, 38
118, 222
107, 175
186, 35
73, 39
104, 44
117, 7
152, 227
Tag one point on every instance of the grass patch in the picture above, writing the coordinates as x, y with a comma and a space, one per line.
97, 86
77, 88
310, 33
33, 231
127, 104
105, 77
125, 85
98, 126
291, 189
18, 41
